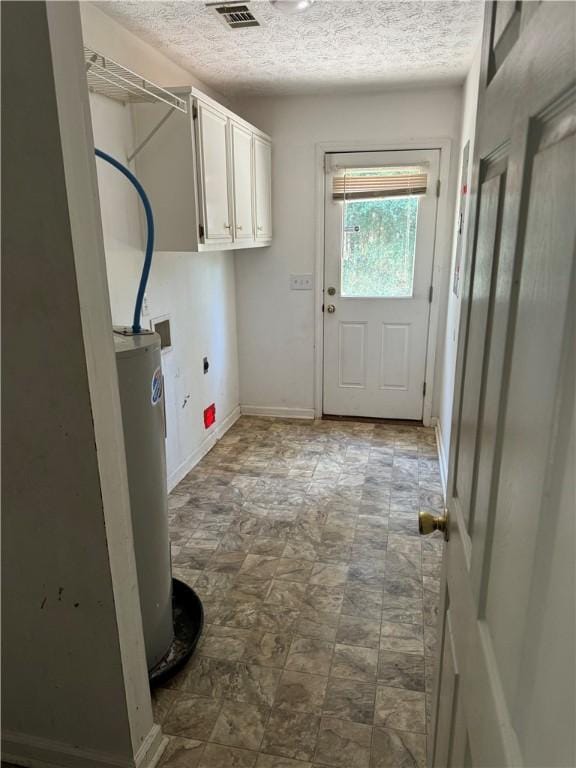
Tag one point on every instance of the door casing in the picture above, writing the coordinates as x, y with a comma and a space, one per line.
442, 250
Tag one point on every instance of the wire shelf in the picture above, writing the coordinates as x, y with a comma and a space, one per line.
108, 78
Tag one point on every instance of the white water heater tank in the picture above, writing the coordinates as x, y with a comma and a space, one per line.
138, 360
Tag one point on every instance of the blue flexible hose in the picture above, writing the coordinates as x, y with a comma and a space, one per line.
136, 327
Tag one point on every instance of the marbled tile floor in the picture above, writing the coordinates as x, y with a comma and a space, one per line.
301, 538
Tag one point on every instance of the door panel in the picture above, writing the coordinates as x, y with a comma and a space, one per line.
506, 24
447, 705
504, 14
535, 368
213, 143
352, 354
491, 196
546, 691
509, 610
242, 180
378, 264
395, 356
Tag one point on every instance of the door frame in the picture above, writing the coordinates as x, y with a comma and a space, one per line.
441, 258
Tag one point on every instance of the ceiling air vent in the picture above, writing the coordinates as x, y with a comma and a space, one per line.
234, 15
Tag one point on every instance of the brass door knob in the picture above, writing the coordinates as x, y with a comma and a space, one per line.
331, 309
428, 523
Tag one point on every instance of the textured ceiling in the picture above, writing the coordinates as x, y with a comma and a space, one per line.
336, 44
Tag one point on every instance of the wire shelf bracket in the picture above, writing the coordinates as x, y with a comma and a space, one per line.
108, 78
156, 128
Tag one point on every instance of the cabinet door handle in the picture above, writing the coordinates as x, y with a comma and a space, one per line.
227, 226
238, 226
260, 229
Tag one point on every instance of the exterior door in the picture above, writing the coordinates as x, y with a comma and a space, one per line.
214, 187
505, 693
380, 220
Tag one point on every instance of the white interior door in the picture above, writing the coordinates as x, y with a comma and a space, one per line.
242, 180
214, 186
379, 253
505, 693
263, 188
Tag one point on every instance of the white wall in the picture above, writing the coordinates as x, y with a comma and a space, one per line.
448, 358
196, 290
276, 325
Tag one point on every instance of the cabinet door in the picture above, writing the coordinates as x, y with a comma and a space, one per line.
214, 185
263, 188
242, 182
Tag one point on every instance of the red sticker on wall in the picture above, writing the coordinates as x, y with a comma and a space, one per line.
209, 416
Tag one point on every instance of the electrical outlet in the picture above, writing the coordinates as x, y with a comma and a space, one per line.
300, 282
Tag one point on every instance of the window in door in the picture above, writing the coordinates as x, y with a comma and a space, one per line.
380, 211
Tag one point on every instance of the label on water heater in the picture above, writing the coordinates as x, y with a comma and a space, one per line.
156, 386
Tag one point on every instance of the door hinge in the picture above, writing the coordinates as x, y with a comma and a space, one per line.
194, 112
201, 231
424, 389
438, 188
430, 294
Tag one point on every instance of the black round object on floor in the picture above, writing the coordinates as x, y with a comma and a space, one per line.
188, 616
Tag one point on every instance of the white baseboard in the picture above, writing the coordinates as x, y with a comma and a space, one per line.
152, 748
33, 752
277, 411
442, 458
209, 442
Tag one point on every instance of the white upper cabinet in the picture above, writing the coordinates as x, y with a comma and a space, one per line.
243, 182
207, 174
263, 188
214, 184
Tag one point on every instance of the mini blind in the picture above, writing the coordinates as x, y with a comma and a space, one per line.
370, 183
